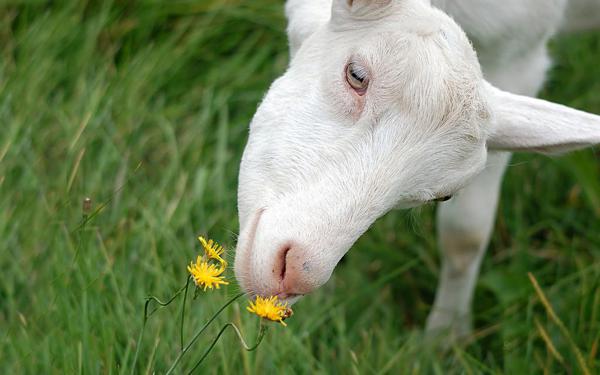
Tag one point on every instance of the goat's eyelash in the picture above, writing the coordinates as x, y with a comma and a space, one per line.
358, 71
357, 77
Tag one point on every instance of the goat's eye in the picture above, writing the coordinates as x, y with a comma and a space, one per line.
357, 78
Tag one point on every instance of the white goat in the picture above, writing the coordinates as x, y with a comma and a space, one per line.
385, 105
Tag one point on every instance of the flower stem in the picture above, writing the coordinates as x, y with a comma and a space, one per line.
261, 335
161, 303
147, 315
197, 335
185, 293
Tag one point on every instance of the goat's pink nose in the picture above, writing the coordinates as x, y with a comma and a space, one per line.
292, 269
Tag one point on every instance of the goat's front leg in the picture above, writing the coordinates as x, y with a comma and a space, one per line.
464, 229
465, 222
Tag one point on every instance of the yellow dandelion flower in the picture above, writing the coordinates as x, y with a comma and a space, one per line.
206, 275
270, 308
213, 250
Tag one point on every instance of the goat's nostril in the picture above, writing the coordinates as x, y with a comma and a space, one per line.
283, 261
292, 271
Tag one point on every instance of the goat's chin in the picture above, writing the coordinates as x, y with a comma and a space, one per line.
291, 299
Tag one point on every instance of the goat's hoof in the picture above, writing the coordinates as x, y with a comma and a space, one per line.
447, 330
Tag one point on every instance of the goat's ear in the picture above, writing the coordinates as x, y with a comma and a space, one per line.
304, 18
343, 10
521, 123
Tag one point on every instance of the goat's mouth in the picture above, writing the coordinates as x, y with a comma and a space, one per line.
289, 298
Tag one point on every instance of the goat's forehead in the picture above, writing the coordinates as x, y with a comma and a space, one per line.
393, 58
399, 19
392, 39
383, 51
414, 16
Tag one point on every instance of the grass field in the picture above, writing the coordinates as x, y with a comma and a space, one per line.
143, 106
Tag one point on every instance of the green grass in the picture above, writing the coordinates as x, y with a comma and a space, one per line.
143, 106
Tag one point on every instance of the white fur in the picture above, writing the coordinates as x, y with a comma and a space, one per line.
582, 15
526, 123
322, 163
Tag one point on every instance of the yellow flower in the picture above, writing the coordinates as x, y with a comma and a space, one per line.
270, 308
206, 275
213, 250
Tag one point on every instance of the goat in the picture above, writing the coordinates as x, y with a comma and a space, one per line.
385, 104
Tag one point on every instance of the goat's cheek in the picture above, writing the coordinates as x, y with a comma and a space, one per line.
359, 106
353, 104
344, 101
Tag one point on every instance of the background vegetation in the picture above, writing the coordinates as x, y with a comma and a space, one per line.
143, 106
